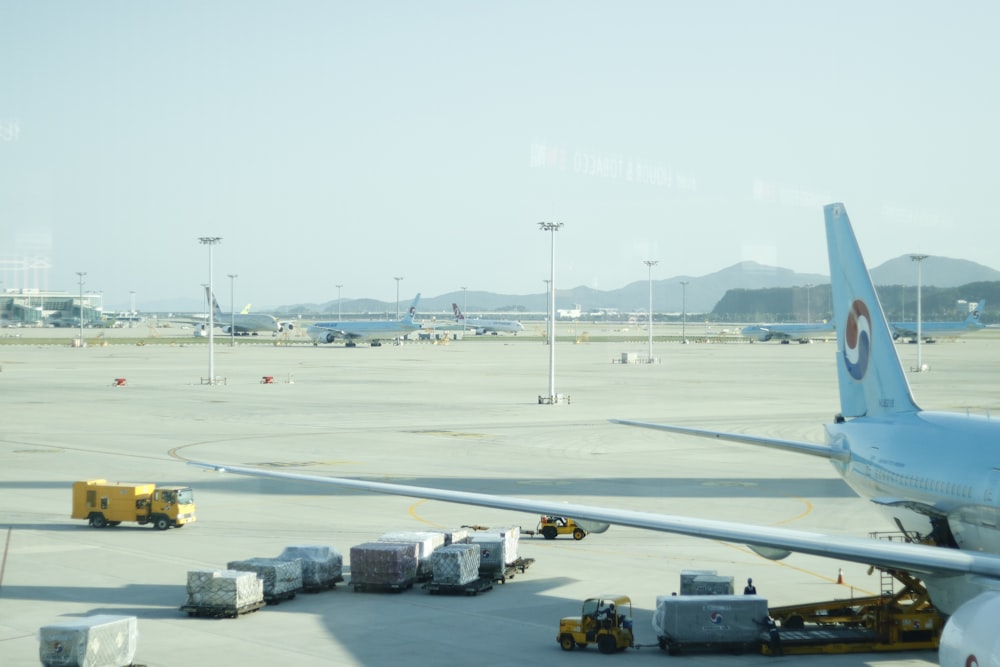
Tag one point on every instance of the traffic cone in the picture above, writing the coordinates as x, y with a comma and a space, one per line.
840, 575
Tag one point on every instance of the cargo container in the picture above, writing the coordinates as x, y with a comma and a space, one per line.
712, 622
91, 641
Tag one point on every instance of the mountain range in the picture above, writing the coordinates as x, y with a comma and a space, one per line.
700, 295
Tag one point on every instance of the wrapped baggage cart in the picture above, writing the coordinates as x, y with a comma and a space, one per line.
91, 641
427, 542
455, 569
383, 566
710, 622
223, 593
282, 578
322, 566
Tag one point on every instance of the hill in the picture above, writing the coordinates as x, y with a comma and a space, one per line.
701, 295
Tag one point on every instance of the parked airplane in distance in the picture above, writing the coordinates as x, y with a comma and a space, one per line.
934, 473
244, 323
372, 330
482, 326
786, 333
933, 330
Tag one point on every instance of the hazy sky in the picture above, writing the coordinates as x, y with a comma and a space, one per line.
334, 142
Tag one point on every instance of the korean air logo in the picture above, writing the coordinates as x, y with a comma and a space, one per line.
857, 340
716, 618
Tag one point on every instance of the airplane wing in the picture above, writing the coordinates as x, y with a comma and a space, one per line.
815, 449
766, 540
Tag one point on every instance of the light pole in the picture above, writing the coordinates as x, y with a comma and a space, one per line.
548, 322
919, 260
808, 309
80, 275
650, 263
338, 301
684, 312
131, 319
465, 300
210, 241
552, 228
397, 279
232, 309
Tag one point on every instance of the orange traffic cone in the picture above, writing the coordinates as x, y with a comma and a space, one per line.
840, 575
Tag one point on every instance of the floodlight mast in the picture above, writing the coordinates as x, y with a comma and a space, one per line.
232, 309
919, 260
210, 241
684, 314
80, 275
338, 300
650, 263
397, 279
552, 228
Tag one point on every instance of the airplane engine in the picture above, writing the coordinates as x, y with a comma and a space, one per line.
321, 335
286, 326
227, 330
970, 637
764, 337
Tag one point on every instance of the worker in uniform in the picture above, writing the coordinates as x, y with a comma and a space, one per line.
749, 589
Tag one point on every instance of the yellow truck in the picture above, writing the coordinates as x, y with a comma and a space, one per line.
105, 503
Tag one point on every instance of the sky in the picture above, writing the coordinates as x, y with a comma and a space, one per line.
333, 143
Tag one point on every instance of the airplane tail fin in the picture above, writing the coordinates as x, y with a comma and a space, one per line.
458, 312
408, 317
975, 316
214, 304
872, 381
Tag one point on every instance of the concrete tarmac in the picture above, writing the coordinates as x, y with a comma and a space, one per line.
463, 415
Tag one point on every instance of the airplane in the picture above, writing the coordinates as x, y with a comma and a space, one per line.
373, 330
933, 473
244, 323
932, 330
786, 333
486, 326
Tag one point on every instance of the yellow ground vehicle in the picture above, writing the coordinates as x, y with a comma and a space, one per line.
105, 503
605, 621
552, 526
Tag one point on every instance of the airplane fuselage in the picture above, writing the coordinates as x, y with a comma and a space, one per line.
912, 468
486, 326
246, 324
327, 332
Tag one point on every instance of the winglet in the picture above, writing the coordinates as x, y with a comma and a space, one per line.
872, 381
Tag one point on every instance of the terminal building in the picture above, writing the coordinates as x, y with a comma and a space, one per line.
27, 307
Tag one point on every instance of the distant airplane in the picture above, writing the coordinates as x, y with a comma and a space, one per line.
373, 330
786, 333
933, 330
246, 323
935, 474
486, 326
